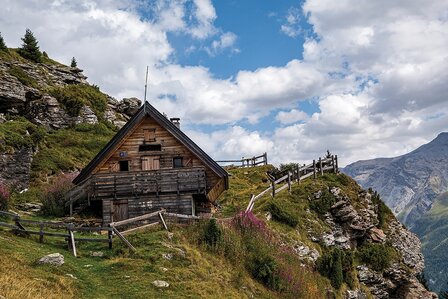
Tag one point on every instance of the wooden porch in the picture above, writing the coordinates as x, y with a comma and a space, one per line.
141, 183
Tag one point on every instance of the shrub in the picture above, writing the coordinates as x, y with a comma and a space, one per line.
282, 214
30, 49
378, 256
53, 198
324, 203
337, 265
2, 44
212, 233
264, 268
4, 197
383, 210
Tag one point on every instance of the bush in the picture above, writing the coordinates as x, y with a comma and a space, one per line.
53, 198
4, 197
282, 214
330, 265
2, 44
264, 268
212, 234
383, 210
378, 256
324, 203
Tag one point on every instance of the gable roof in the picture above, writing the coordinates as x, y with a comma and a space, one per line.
144, 110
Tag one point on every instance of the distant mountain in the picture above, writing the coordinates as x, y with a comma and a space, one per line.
415, 187
410, 183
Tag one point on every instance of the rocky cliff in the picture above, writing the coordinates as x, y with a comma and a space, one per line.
47, 97
412, 186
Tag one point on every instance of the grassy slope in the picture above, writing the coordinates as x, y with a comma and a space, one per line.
120, 274
200, 274
433, 231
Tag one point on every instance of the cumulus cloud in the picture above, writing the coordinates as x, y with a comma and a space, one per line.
292, 27
226, 40
377, 71
292, 116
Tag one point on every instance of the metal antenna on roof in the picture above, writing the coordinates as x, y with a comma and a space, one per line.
146, 87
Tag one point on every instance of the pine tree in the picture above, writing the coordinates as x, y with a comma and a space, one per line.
73, 63
2, 43
30, 49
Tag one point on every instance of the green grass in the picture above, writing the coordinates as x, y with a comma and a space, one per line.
18, 132
22, 76
74, 97
121, 274
70, 149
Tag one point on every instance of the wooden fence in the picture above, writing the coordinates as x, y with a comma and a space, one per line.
67, 230
318, 167
249, 162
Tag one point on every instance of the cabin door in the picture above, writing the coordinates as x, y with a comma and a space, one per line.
121, 211
150, 162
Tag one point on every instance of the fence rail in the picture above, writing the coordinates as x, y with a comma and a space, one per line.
318, 167
249, 162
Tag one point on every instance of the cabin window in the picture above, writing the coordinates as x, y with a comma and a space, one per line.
124, 165
177, 162
151, 163
150, 148
150, 134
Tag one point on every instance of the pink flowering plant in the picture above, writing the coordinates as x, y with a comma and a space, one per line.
53, 198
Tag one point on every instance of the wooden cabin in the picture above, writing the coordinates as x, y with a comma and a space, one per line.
150, 164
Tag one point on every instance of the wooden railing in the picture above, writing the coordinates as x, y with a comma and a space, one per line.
137, 183
299, 174
60, 229
248, 162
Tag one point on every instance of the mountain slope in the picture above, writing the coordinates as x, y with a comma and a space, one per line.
409, 183
433, 229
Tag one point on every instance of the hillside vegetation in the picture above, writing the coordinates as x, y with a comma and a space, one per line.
239, 256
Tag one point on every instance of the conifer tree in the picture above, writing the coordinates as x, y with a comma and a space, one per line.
73, 63
30, 49
2, 43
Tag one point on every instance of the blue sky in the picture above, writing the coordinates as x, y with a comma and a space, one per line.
362, 78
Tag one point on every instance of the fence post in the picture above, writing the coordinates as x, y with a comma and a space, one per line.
337, 166
41, 233
265, 158
273, 188
298, 173
321, 167
109, 237
289, 181
333, 163
314, 168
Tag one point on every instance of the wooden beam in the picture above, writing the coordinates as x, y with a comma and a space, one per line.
138, 218
72, 241
163, 221
126, 232
123, 239
314, 168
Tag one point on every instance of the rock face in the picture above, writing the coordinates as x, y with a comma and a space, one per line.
55, 259
23, 92
352, 224
15, 167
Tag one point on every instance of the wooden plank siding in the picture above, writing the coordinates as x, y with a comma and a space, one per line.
170, 149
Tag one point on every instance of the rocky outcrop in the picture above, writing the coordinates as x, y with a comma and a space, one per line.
15, 165
55, 259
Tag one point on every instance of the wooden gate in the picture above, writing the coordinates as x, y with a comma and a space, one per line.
121, 210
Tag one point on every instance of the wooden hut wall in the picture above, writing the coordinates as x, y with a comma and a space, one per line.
171, 148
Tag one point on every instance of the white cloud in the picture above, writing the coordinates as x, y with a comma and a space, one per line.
226, 40
377, 70
292, 27
291, 116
